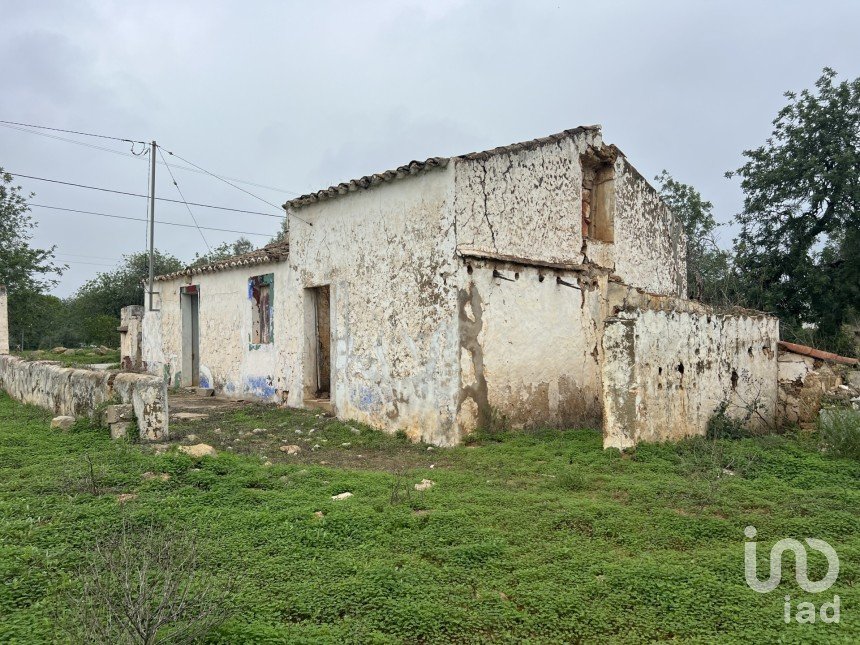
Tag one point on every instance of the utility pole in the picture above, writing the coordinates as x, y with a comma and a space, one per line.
151, 221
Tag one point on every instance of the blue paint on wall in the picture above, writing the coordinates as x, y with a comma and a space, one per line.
260, 386
204, 382
367, 399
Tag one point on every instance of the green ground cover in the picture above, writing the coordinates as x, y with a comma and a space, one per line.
83, 356
525, 537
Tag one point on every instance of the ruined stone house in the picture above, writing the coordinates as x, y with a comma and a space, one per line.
536, 284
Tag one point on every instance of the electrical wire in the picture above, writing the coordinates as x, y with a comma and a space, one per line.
184, 201
85, 134
11, 125
142, 219
163, 199
212, 174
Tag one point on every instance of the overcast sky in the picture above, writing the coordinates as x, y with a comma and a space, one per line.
299, 95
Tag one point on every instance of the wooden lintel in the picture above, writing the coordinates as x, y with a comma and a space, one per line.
480, 254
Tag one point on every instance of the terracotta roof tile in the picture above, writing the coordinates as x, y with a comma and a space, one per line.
274, 252
804, 350
416, 167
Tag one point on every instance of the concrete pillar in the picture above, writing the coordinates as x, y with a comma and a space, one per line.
131, 332
4, 321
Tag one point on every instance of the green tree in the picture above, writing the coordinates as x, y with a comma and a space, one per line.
798, 252
26, 271
223, 251
709, 270
109, 292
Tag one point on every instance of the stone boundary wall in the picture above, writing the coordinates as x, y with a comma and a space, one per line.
78, 392
665, 373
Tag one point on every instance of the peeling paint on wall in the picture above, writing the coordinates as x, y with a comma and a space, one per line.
665, 373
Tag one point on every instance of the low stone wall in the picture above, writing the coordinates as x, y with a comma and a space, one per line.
665, 373
805, 382
78, 392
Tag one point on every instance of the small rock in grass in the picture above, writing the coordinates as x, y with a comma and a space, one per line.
316, 447
259, 430
726, 471
432, 465
120, 430
62, 422
345, 445
298, 432
429, 448
148, 476
425, 484
291, 449
217, 431
188, 416
341, 496
199, 450
125, 497
267, 463
319, 514
191, 437
354, 430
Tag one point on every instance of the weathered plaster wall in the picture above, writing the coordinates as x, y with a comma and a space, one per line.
78, 392
388, 255
131, 337
229, 361
650, 246
666, 372
525, 203
4, 321
529, 347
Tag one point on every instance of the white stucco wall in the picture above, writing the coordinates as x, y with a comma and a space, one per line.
388, 255
527, 203
410, 349
529, 347
524, 203
650, 246
666, 372
229, 362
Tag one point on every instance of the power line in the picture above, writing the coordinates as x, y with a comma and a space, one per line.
212, 174
184, 201
163, 199
85, 134
143, 219
133, 155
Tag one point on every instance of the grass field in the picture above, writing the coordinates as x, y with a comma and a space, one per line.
83, 356
529, 537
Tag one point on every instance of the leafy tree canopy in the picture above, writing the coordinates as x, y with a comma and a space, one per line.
109, 292
223, 251
708, 266
798, 252
26, 271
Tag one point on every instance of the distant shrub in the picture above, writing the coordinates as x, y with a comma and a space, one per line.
840, 432
723, 426
145, 586
571, 480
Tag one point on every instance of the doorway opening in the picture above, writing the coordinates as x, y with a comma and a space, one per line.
189, 304
318, 315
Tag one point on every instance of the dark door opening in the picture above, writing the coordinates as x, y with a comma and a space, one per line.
189, 305
322, 317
